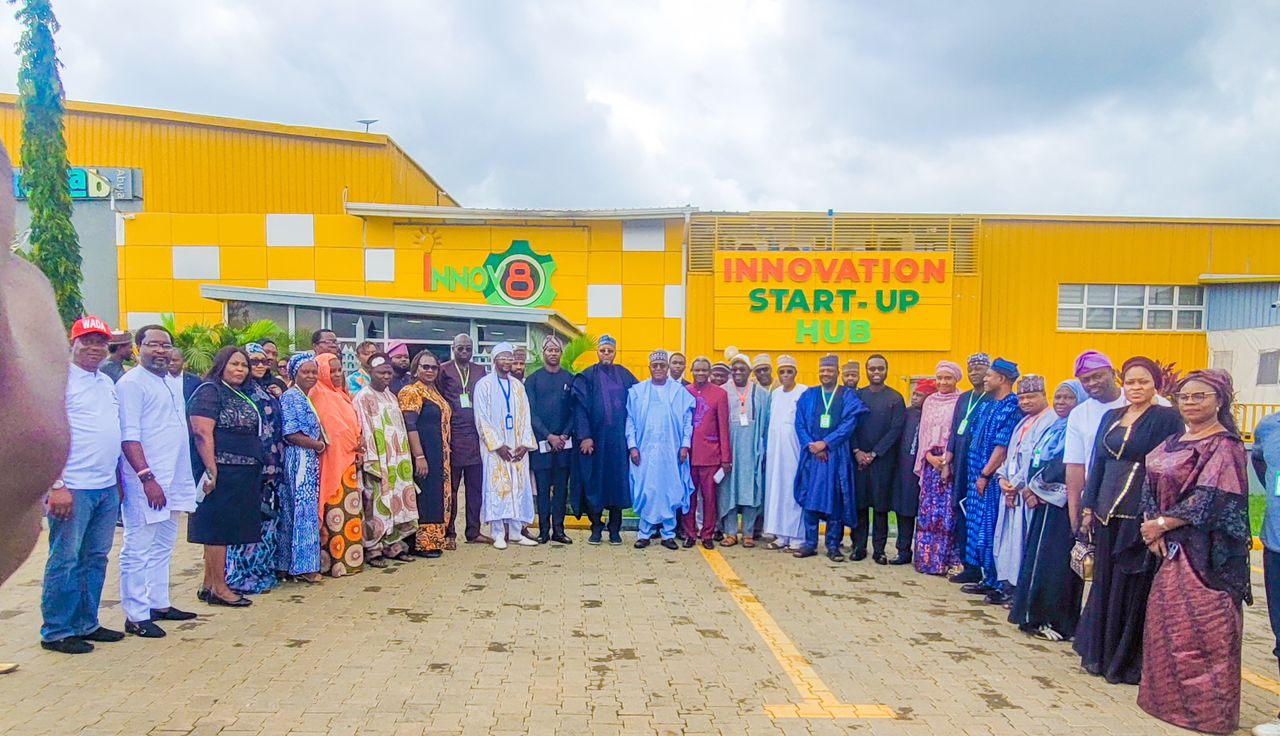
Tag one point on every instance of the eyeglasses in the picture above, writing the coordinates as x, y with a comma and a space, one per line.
429, 367
164, 345
1195, 397
259, 361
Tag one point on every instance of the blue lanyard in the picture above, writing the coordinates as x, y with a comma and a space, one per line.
506, 395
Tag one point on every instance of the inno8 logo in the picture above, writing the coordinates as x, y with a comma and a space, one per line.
517, 278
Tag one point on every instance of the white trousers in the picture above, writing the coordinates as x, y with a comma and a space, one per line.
512, 529
144, 567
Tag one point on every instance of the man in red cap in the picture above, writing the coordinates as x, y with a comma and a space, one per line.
83, 503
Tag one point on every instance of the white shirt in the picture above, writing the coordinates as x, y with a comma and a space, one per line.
153, 413
94, 416
1082, 430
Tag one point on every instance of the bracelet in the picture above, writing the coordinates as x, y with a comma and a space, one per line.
419, 457
144, 471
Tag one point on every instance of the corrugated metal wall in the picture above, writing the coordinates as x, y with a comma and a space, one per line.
1240, 306
193, 164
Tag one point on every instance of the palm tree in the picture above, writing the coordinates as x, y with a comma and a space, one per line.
576, 348
199, 343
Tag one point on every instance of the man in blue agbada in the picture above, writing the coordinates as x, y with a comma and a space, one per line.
826, 416
659, 435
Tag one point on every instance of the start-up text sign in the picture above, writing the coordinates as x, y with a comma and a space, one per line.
832, 301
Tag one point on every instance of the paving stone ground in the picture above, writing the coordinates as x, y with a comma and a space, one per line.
580, 640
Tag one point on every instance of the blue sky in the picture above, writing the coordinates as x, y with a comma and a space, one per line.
1143, 108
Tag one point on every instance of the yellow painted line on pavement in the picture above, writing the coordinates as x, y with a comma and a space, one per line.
817, 700
1266, 683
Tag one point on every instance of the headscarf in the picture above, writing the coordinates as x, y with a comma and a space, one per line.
251, 349
342, 432
1076, 387
1090, 361
935, 425
552, 340
1031, 384
1141, 361
1006, 368
927, 387
398, 348
1221, 383
950, 366
981, 359
1054, 439
606, 340
296, 361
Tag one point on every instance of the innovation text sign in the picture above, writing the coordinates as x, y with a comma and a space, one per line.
790, 302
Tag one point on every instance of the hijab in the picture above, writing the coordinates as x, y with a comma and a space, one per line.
935, 424
342, 431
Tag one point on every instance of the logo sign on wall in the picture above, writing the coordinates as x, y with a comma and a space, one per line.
517, 277
89, 183
821, 301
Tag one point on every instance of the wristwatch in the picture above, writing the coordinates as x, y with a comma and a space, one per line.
146, 476
1160, 522
58, 485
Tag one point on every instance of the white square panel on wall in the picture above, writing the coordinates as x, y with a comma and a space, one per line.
291, 230
673, 301
303, 285
142, 319
644, 235
604, 301
380, 264
196, 262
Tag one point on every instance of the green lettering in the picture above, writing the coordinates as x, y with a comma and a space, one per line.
758, 302
845, 296
777, 295
807, 330
798, 301
910, 298
822, 300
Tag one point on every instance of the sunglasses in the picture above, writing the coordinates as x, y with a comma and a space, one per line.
259, 361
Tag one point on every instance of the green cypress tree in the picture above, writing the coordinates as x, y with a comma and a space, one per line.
55, 248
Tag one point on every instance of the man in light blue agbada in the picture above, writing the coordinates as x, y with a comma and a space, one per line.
659, 435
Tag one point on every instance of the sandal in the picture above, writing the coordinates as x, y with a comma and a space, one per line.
748, 542
451, 544
728, 541
772, 546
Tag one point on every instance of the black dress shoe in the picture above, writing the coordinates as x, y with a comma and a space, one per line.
69, 645
901, 559
102, 634
642, 543
975, 588
561, 538
172, 614
719, 536
968, 576
997, 598
690, 542
802, 553
217, 600
670, 544
432, 554
858, 555
880, 559
544, 538
615, 538
202, 595
145, 629
835, 556
708, 544
425, 554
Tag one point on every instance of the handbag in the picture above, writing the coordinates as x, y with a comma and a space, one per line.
1082, 553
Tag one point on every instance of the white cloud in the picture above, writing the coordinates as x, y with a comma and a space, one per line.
1147, 108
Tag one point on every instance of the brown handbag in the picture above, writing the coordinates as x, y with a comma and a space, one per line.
1082, 558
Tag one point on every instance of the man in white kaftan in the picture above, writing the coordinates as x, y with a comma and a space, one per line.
506, 438
659, 435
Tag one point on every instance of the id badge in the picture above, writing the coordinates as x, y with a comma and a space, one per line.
742, 420
1278, 484
511, 422
464, 401
963, 424
1036, 459
824, 421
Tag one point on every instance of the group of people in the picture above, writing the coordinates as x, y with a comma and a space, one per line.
1014, 492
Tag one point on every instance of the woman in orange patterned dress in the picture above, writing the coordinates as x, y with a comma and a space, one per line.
341, 517
427, 415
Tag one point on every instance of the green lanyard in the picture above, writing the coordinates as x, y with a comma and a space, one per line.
964, 423
824, 421
250, 402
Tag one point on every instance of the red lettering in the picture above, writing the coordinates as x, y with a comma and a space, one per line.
771, 270
426, 272
519, 282
906, 270
728, 270
868, 268
746, 270
826, 268
801, 269
935, 271
849, 272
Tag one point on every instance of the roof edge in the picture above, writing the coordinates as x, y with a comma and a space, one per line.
373, 209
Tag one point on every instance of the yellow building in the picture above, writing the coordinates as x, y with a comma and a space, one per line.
211, 219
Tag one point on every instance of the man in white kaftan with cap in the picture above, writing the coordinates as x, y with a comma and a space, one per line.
659, 435
506, 438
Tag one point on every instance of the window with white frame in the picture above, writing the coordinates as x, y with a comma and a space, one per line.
1130, 308
1268, 368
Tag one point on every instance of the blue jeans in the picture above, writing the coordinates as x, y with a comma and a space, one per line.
833, 537
77, 564
1271, 579
667, 529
